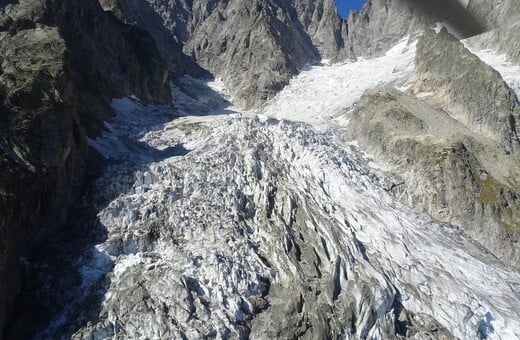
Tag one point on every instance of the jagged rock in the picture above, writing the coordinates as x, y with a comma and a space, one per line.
503, 20
379, 25
470, 90
255, 46
327, 31
141, 14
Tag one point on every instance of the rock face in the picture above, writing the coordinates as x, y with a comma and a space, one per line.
140, 14
471, 91
456, 149
327, 31
380, 24
255, 46
503, 18
58, 70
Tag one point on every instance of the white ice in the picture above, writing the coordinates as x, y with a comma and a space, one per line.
318, 92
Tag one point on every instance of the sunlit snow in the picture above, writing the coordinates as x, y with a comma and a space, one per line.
318, 92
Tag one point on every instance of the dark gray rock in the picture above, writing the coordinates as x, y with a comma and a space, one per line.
503, 19
256, 47
326, 29
380, 25
59, 68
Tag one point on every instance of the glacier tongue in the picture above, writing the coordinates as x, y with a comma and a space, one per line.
230, 227
223, 224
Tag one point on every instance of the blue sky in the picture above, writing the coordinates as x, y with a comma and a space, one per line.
344, 6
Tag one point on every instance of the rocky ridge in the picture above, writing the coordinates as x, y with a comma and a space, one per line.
255, 46
380, 24
451, 140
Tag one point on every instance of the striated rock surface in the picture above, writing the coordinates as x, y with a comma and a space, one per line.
503, 20
255, 46
141, 14
470, 90
327, 31
380, 24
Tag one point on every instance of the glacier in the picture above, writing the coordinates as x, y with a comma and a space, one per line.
229, 224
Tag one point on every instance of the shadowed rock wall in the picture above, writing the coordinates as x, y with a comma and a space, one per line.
61, 62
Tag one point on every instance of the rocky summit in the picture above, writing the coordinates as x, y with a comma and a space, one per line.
262, 169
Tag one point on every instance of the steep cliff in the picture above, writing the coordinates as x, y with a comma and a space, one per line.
381, 23
59, 68
471, 91
503, 19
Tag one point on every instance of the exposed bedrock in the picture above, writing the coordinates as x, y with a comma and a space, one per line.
255, 46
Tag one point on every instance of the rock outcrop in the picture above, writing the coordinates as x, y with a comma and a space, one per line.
503, 20
381, 23
59, 68
471, 91
327, 31
451, 142
141, 14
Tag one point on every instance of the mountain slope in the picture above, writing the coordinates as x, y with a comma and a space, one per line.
375, 198
255, 46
